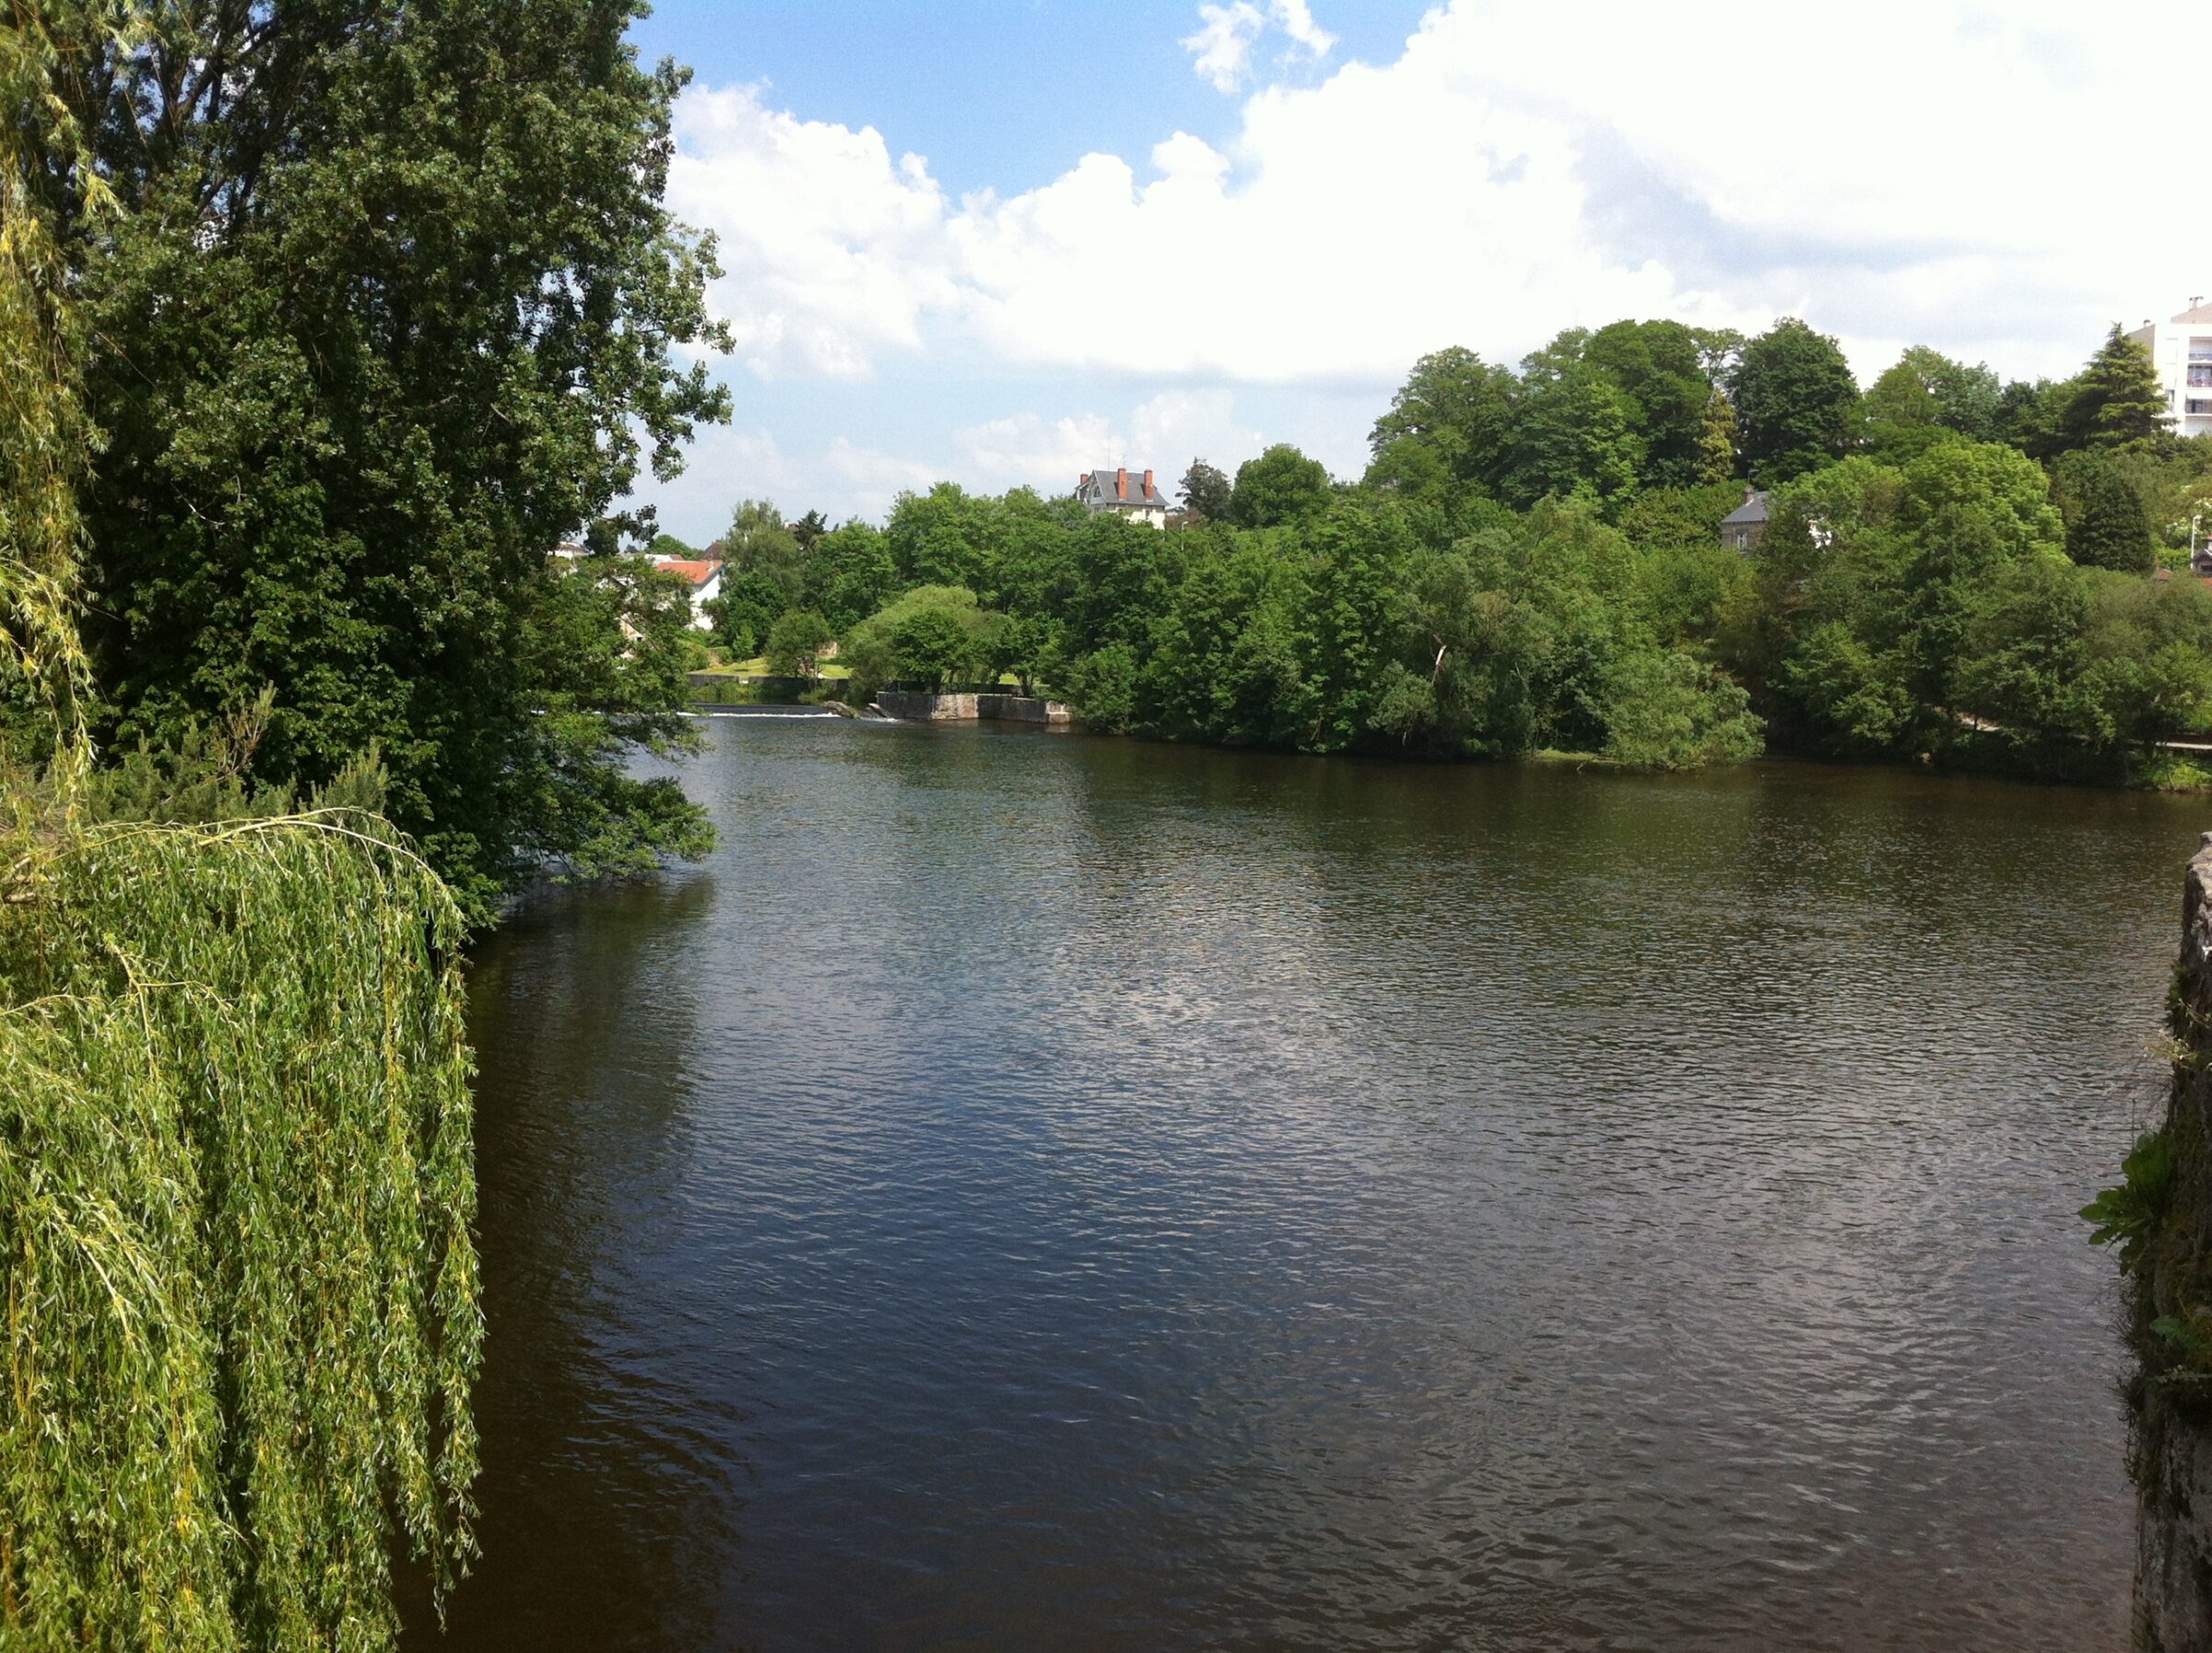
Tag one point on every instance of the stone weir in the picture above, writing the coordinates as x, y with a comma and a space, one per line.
973, 708
2162, 1217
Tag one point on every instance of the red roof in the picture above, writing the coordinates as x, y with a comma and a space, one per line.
695, 572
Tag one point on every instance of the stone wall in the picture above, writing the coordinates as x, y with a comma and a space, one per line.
970, 708
1021, 708
927, 708
2170, 1321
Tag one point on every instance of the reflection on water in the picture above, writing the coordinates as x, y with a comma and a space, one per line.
1045, 1193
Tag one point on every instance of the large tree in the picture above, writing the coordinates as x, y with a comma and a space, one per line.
395, 309
1281, 486
1206, 492
2117, 402
1795, 401
1456, 406
1661, 366
758, 542
2110, 528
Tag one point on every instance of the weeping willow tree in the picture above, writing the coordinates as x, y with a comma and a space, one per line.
235, 1176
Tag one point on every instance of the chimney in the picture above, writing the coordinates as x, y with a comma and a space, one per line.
1148, 485
1121, 483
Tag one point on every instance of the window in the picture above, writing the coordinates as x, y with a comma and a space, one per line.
2200, 372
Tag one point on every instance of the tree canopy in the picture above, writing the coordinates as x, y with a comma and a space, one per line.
394, 307
1795, 400
2116, 402
1281, 486
237, 1185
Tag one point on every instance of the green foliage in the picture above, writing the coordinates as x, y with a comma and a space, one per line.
236, 1168
946, 537
1454, 406
1795, 401
1667, 710
603, 653
850, 574
2125, 1214
795, 641
236, 1198
1719, 433
1575, 435
1660, 366
924, 638
932, 649
809, 529
758, 543
1103, 684
742, 610
396, 307
1281, 486
2108, 528
1206, 491
2116, 402
1926, 398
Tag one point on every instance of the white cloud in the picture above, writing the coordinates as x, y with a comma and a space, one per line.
1165, 434
1221, 49
829, 240
1994, 182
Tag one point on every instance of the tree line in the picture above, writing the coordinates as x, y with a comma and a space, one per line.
1953, 567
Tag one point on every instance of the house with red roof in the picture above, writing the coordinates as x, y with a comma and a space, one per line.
703, 576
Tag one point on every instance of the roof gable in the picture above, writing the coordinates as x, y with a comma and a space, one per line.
695, 572
1753, 510
1121, 488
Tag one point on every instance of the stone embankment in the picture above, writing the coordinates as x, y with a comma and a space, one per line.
2170, 1315
974, 708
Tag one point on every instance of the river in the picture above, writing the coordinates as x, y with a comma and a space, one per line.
1032, 1192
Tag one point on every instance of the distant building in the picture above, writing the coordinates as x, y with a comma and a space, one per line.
2181, 350
568, 551
1744, 526
704, 574
1139, 501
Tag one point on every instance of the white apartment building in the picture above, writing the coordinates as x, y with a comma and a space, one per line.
2181, 350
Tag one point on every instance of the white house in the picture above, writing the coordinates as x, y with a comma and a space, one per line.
2180, 350
704, 576
1139, 501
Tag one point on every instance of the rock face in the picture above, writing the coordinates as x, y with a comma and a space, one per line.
2171, 1322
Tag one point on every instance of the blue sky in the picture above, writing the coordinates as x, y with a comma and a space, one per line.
991, 92
1001, 242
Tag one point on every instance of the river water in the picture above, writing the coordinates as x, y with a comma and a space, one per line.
1032, 1192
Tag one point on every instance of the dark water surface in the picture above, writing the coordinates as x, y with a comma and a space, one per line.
1038, 1193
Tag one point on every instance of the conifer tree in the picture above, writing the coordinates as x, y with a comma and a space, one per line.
1716, 440
1206, 492
2117, 402
2110, 530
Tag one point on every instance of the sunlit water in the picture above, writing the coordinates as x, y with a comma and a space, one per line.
1029, 1192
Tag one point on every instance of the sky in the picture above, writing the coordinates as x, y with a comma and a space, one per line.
1002, 241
